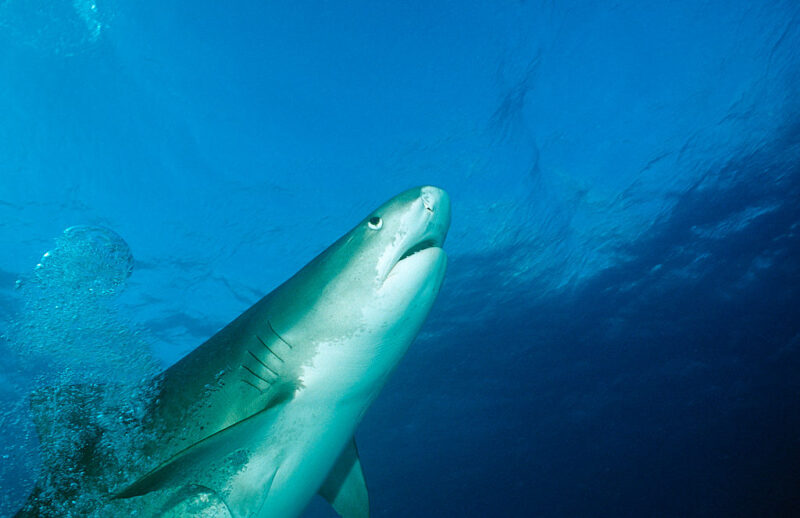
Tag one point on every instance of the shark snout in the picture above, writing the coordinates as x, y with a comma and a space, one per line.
418, 220
429, 197
437, 203
434, 199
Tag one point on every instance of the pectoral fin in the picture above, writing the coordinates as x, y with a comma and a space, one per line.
211, 462
345, 488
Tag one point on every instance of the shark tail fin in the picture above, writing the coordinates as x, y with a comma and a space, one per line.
345, 488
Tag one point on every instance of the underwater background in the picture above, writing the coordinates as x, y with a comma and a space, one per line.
619, 330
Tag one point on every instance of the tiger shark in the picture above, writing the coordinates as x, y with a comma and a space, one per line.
260, 418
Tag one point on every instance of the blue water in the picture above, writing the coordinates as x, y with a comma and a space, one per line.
619, 330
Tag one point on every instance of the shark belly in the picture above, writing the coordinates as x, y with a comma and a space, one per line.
281, 476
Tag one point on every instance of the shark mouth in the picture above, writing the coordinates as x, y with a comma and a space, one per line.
423, 245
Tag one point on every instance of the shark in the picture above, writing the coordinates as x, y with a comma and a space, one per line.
261, 417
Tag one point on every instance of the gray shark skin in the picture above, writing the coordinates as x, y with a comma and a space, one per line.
261, 416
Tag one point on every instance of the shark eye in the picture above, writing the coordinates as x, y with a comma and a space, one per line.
375, 223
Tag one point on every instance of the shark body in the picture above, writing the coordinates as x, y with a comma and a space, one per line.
261, 416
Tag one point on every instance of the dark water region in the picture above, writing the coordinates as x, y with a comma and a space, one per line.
665, 386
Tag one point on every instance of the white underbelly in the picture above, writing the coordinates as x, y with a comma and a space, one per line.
292, 460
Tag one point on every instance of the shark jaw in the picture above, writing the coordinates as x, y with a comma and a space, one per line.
261, 416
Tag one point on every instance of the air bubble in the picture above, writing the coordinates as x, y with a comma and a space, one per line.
88, 260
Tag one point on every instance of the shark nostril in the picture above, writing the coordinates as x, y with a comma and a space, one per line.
427, 201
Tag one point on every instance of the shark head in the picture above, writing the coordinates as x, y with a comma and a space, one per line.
360, 303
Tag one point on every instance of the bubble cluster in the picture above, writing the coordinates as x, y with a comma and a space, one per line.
83, 378
86, 260
70, 321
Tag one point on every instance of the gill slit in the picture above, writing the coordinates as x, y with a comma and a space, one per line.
256, 358
268, 348
248, 369
279, 336
258, 389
